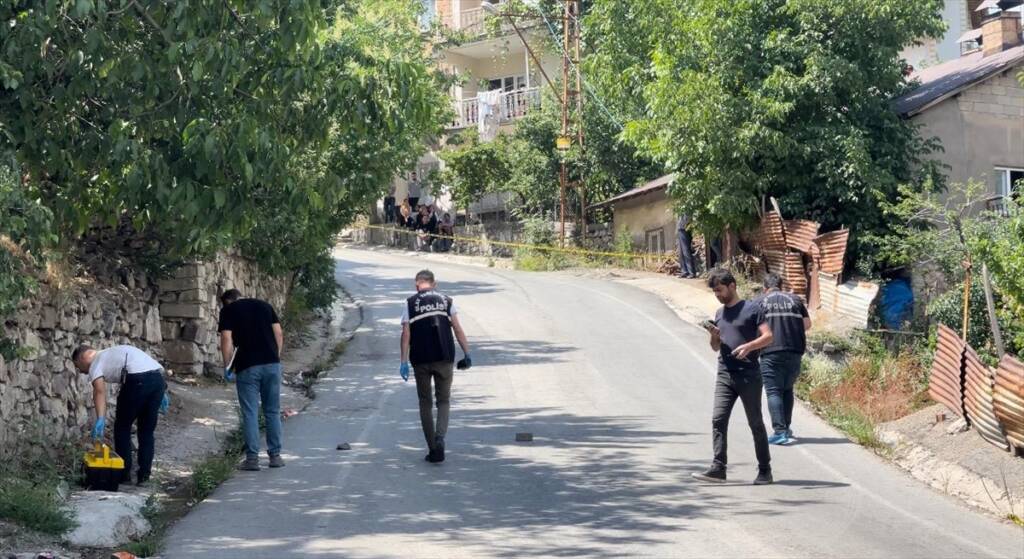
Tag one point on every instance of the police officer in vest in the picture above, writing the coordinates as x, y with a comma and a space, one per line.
428, 322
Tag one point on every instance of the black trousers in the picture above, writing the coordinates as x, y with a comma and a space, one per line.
138, 402
745, 386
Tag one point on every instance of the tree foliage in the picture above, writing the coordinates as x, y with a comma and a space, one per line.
266, 124
753, 98
24, 234
525, 163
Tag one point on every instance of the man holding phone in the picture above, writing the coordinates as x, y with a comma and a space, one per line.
738, 332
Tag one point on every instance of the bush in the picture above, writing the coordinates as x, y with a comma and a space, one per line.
948, 309
35, 505
30, 477
867, 387
315, 284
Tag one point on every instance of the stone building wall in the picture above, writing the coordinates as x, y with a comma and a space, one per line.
174, 320
190, 307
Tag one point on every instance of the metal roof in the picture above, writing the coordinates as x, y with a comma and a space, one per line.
660, 183
941, 82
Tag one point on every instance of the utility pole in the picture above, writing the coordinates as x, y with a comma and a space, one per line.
571, 96
572, 125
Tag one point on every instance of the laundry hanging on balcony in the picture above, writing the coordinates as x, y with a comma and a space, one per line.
490, 114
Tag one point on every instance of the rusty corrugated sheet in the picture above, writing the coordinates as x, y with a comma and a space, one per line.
833, 250
800, 234
978, 400
775, 261
794, 276
772, 236
1008, 397
945, 383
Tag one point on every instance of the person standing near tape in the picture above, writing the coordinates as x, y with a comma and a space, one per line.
787, 317
429, 321
142, 397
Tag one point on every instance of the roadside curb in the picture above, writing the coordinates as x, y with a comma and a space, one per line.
950, 478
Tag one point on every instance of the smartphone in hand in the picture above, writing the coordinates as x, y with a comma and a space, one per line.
708, 324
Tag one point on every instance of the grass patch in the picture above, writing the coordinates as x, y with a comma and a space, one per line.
866, 387
216, 469
35, 505
531, 260
31, 477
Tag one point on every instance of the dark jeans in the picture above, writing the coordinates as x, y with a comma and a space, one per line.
745, 385
780, 371
441, 373
138, 401
686, 263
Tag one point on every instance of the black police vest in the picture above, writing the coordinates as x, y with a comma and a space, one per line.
430, 328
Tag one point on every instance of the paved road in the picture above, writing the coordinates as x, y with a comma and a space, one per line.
617, 391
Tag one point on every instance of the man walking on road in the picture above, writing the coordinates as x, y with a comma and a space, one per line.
738, 332
428, 322
787, 317
250, 331
141, 398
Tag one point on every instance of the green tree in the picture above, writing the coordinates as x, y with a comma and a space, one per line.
210, 123
753, 98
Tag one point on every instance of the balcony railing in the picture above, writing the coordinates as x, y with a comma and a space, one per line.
470, 21
511, 105
1001, 206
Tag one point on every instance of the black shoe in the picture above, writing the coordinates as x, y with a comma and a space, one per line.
712, 475
764, 477
439, 448
142, 482
433, 457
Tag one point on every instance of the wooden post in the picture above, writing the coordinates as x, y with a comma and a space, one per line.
967, 300
997, 334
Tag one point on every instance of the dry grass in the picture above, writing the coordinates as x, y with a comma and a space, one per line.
870, 386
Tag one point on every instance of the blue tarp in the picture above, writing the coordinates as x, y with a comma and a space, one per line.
897, 303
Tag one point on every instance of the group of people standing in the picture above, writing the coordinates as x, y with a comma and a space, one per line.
760, 345
251, 339
433, 233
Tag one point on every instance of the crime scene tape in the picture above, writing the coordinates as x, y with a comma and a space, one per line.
644, 256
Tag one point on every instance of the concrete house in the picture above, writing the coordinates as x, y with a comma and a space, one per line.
497, 75
974, 105
646, 214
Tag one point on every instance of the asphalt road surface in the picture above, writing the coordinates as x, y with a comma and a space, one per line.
616, 390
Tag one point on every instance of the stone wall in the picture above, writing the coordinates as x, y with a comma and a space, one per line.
190, 307
173, 319
40, 391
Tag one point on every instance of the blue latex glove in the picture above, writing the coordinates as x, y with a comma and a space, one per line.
165, 403
229, 375
98, 427
404, 371
465, 363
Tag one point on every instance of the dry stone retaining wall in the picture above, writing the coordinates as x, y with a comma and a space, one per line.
175, 320
189, 308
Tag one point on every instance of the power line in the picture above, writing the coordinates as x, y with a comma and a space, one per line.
586, 85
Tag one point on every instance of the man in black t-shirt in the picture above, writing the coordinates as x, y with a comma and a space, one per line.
737, 334
787, 317
250, 343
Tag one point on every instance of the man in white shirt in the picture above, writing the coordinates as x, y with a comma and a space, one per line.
142, 394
